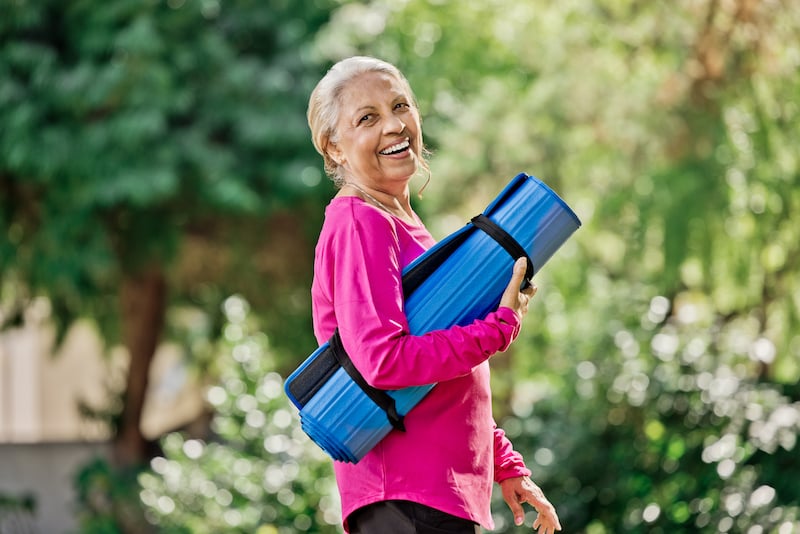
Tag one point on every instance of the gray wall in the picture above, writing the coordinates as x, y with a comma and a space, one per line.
46, 471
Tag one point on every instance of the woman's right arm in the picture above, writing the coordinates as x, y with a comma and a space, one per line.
367, 287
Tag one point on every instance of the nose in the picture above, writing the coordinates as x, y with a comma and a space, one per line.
395, 125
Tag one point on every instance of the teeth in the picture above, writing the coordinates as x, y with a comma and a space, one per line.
395, 148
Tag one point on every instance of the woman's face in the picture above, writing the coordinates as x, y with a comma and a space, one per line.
378, 134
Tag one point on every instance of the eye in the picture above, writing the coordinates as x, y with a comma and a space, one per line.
401, 105
365, 118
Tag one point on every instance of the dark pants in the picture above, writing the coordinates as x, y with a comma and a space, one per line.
406, 517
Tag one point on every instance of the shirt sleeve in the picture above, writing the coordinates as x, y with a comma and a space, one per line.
508, 463
368, 296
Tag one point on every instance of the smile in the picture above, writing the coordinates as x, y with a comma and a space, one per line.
396, 148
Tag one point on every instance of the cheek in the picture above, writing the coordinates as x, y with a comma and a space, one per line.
365, 144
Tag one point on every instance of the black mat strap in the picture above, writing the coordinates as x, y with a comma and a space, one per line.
505, 240
379, 397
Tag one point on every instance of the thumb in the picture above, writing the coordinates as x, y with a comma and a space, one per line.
510, 297
520, 268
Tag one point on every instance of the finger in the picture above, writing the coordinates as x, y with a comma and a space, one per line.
516, 509
531, 290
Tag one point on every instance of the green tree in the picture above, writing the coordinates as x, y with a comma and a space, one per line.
144, 149
154, 158
662, 349
260, 474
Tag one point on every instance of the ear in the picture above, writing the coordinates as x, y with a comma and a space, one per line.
333, 152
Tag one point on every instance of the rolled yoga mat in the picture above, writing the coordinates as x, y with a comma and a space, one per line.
458, 280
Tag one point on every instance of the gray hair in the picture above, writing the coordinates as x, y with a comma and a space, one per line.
324, 106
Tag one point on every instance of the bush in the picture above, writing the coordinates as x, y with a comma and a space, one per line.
259, 473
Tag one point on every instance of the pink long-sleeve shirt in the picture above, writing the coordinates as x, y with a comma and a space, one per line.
452, 449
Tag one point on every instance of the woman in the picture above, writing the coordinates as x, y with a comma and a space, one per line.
437, 475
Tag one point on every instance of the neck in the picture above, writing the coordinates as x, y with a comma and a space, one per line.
397, 205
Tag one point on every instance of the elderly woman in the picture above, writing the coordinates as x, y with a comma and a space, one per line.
436, 476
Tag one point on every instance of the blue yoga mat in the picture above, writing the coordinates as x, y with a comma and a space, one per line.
334, 411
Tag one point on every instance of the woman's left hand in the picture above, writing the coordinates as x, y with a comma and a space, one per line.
518, 490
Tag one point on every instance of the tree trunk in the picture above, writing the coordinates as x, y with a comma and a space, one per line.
143, 305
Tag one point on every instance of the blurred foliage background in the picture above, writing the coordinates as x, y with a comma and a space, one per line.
157, 177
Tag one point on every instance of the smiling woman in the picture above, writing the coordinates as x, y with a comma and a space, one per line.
434, 474
377, 141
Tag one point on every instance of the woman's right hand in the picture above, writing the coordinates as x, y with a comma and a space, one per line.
514, 298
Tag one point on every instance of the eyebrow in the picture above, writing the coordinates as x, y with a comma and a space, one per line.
396, 99
364, 108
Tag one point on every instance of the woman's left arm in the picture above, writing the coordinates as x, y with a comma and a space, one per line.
517, 487
508, 463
